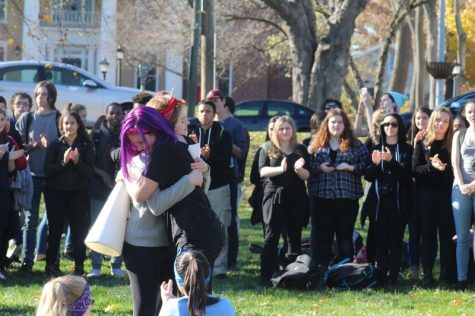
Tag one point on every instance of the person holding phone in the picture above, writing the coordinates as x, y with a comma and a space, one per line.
339, 159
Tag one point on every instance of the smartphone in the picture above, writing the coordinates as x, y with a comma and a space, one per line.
364, 90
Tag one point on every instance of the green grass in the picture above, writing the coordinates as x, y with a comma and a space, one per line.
20, 293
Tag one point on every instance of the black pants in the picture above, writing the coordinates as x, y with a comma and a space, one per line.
333, 216
281, 211
436, 216
389, 232
72, 206
414, 232
147, 267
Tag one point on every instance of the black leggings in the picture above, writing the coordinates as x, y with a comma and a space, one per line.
436, 216
333, 216
147, 267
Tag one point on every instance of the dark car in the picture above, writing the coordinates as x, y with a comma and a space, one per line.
455, 105
255, 114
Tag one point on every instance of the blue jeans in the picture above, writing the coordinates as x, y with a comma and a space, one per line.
31, 219
96, 258
42, 235
462, 207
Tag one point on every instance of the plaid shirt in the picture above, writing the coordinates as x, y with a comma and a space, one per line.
338, 184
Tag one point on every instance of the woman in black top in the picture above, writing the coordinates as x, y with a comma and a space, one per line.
285, 202
389, 198
432, 170
69, 166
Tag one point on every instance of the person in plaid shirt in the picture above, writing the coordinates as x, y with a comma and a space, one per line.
337, 164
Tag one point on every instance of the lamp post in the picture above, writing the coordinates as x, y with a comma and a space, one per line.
119, 54
456, 74
104, 67
143, 72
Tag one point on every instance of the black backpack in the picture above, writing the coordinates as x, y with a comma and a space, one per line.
346, 275
302, 274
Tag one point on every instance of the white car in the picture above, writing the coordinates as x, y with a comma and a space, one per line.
73, 84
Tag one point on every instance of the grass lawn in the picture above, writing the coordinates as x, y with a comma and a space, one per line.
19, 294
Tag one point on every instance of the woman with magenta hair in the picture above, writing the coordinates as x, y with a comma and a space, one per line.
200, 228
147, 253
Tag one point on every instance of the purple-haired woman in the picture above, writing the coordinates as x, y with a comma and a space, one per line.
147, 253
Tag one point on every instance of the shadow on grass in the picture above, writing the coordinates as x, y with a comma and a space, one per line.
9, 310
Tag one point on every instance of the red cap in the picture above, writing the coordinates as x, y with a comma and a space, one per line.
215, 93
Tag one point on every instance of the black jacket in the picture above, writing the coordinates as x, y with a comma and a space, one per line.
391, 182
70, 176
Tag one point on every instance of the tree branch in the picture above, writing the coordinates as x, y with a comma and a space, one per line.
232, 17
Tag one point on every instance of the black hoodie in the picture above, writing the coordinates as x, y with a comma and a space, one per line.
221, 146
391, 181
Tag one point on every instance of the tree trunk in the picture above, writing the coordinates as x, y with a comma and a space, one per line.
431, 49
419, 97
301, 30
461, 44
331, 58
207, 47
401, 56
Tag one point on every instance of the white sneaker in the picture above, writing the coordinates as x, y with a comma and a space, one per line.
117, 272
11, 248
94, 273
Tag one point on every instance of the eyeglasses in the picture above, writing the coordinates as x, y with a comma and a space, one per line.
393, 125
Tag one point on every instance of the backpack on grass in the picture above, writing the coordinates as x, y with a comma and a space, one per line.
302, 274
346, 275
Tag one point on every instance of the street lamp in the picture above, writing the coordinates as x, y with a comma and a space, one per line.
143, 72
119, 54
104, 67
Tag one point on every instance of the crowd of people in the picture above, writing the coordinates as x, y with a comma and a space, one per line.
184, 221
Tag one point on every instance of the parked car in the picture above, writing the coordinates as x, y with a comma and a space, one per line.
74, 85
255, 114
455, 105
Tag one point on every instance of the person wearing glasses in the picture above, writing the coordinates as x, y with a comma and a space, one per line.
389, 195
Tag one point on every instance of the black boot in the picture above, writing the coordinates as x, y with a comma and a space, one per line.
52, 271
79, 269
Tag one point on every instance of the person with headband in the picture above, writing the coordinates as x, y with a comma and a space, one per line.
68, 295
192, 275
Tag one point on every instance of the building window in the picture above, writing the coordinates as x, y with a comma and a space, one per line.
72, 13
3, 10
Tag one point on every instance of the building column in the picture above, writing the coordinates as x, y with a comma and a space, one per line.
31, 45
107, 40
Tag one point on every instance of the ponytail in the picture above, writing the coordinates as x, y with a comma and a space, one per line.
193, 273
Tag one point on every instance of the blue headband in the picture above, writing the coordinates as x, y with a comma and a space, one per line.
82, 304
178, 278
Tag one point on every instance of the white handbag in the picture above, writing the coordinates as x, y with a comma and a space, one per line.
108, 232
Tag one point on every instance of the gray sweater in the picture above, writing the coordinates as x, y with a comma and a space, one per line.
146, 225
40, 124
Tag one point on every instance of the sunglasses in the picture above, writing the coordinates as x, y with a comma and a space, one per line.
394, 125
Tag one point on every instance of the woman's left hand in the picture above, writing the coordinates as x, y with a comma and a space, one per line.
344, 167
299, 164
467, 189
166, 291
200, 165
386, 154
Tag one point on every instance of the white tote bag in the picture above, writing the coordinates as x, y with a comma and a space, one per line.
108, 232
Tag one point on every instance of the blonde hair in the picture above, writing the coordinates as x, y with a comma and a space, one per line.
377, 118
430, 136
160, 102
59, 293
275, 149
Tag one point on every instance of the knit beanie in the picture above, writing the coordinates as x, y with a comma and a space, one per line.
399, 98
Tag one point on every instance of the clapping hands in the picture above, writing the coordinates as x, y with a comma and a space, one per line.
378, 156
71, 155
437, 163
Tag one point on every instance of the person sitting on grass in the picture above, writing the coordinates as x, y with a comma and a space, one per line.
68, 295
192, 275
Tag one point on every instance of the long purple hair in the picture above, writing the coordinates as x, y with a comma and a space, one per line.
142, 120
